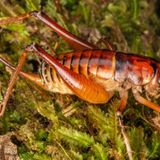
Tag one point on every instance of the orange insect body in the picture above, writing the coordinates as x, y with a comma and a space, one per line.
104, 65
90, 73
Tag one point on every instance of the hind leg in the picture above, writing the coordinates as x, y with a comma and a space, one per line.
75, 42
83, 87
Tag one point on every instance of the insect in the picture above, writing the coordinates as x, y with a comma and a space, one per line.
90, 73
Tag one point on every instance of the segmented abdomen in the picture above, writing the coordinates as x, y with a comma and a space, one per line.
105, 64
92, 63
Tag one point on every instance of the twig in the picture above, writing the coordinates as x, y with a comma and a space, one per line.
126, 140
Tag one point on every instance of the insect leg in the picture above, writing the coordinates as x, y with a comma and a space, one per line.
83, 87
11, 83
106, 43
123, 102
76, 42
146, 102
30, 76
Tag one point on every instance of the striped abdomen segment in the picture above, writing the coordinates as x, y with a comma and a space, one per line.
91, 63
105, 64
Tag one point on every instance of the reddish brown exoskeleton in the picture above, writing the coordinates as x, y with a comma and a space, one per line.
90, 73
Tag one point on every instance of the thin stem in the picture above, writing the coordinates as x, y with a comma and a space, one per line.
12, 83
126, 140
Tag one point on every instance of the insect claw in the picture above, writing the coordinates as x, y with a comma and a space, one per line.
36, 13
31, 47
119, 114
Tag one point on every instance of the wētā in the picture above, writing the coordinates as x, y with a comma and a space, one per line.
91, 73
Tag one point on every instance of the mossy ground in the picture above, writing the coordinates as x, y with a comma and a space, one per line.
53, 126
